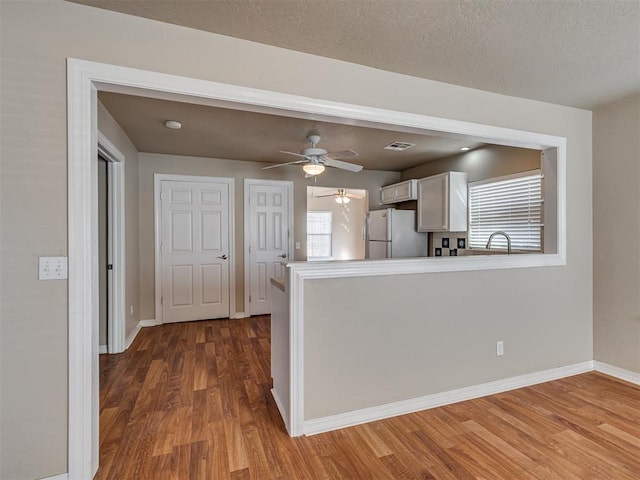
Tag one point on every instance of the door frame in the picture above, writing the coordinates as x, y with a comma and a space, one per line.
158, 178
248, 182
116, 243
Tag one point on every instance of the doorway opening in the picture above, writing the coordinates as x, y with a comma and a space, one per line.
111, 246
336, 218
104, 261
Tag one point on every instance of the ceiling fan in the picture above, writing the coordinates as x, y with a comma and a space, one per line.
315, 159
342, 196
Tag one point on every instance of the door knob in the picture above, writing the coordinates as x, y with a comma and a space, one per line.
284, 255
224, 257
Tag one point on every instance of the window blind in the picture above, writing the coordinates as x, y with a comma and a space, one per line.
512, 205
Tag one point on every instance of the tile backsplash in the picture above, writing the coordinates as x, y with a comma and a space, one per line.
447, 244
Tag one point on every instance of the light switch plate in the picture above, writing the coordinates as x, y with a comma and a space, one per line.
52, 268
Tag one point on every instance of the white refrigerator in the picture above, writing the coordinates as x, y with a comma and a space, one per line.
392, 233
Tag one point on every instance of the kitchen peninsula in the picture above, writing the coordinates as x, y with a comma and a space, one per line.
357, 341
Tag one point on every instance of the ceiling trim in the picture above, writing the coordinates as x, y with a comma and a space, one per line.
203, 92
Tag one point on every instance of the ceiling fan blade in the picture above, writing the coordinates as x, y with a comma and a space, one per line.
342, 154
330, 162
296, 154
330, 195
357, 197
283, 164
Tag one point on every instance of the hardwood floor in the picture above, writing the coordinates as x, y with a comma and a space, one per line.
192, 401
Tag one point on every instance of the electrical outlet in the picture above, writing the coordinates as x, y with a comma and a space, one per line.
500, 348
297, 245
52, 268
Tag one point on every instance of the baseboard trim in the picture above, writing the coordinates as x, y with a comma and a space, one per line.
140, 325
356, 417
132, 336
617, 372
239, 315
152, 322
62, 476
280, 409
102, 349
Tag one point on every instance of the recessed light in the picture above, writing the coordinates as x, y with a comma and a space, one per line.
465, 149
173, 124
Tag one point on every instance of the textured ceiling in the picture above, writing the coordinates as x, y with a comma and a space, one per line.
239, 135
582, 53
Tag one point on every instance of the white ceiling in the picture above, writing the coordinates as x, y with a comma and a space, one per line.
215, 132
581, 53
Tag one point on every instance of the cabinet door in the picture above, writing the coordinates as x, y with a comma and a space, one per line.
403, 191
433, 204
387, 195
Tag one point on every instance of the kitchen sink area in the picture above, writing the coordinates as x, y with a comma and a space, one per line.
339, 339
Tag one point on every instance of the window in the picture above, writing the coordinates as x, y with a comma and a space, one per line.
510, 204
319, 235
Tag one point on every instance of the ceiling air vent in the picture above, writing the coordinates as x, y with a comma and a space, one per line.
399, 146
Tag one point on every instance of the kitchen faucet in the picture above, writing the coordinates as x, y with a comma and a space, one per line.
506, 235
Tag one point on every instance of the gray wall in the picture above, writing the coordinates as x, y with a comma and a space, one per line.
110, 129
480, 164
616, 218
37, 37
402, 337
150, 164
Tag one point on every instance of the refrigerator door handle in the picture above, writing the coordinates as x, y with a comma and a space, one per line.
365, 228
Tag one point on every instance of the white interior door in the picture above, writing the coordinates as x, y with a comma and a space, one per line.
268, 240
194, 250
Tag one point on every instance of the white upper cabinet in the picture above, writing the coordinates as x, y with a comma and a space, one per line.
442, 203
399, 192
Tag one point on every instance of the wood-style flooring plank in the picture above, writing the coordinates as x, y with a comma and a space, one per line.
192, 401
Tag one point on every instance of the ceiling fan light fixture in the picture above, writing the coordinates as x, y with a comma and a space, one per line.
342, 200
313, 169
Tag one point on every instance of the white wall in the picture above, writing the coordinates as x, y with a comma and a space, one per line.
36, 38
347, 241
481, 163
616, 217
